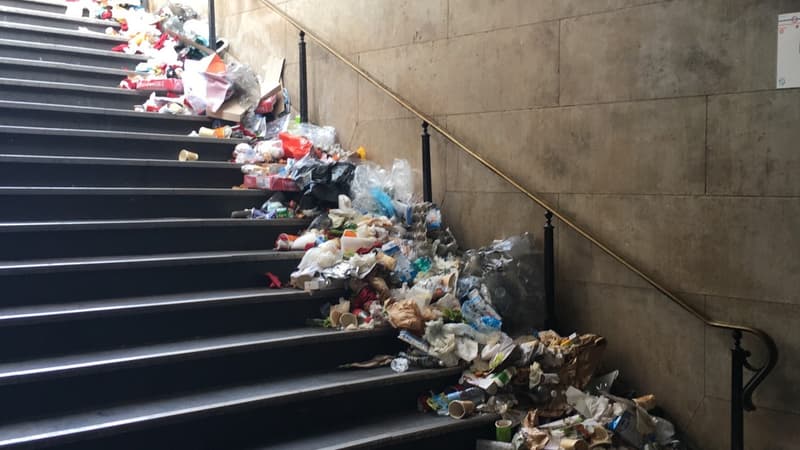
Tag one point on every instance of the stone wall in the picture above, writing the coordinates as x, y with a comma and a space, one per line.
653, 123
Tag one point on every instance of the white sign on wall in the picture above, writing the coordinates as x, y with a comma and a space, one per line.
789, 50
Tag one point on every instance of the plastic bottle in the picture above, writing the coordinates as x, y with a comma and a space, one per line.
399, 365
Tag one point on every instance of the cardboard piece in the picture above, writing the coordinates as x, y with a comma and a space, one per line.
230, 110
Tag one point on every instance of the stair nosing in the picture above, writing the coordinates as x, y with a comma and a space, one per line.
152, 191
154, 419
12, 129
62, 265
57, 85
92, 309
71, 49
62, 31
106, 161
188, 352
63, 66
77, 225
59, 16
36, 106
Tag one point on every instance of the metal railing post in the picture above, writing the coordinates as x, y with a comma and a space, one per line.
738, 362
303, 80
212, 26
427, 194
549, 274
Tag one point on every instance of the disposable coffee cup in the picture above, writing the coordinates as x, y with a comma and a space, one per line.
459, 409
186, 155
347, 319
206, 132
503, 430
573, 444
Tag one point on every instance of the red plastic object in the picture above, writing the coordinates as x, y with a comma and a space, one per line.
266, 105
274, 281
277, 183
161, 84
294, 146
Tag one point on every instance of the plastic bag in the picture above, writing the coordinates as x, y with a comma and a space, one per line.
205, 84
321, 137
294, 146
276, 126
480, 314
402, 181
245, 84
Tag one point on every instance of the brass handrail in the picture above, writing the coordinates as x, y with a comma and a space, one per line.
769, 343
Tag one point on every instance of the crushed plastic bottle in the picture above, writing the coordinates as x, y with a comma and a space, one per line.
399, 365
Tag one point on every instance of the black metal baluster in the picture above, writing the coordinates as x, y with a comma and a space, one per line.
212, 26
303, 79
427, 195
549, 274
738, 361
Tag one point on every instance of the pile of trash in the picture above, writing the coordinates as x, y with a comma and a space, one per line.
401, 267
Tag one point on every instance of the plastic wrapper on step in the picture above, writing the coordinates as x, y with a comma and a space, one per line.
324, 256
374, 189
480, 314
510, 272
321, 137
277, 126
246, 87
205, 83
294, 146
255, 124
278, 183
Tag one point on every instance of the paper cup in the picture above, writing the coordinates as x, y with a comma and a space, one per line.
186, 155
347, 319
573, 444
459, 409
503, 430
206, 132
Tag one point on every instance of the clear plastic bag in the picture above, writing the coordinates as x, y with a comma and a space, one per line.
245, 82
322, 137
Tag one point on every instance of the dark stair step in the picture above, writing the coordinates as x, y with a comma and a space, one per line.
180, 368
50, 35
52, 6
70, 94
84, 279
53, 19
60, 72
412, 430
137, 327
268, 395
11, 48
23, 170
24, 315
29, 114
88, 203
117, 144
39, 369
126, 237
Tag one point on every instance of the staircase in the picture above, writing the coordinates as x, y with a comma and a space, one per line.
134, 313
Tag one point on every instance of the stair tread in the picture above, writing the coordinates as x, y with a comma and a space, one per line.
209, 401
86, 160
78, 20
72, 87
87, 34
138, 261
10, 104
63, 66
15, 315
71, 49
146, 223
78, 190
383, 430
65, 365
10, 129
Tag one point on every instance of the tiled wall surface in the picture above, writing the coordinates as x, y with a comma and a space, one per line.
653, 123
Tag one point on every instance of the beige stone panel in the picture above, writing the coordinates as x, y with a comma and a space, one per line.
744, 247
638, 147
473, 73
472, 16
654, 343
228, 7
780, 390
675, 48
254, 35
353, 26
387, 140
764, 429
752, 143
478, 218
374, 104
